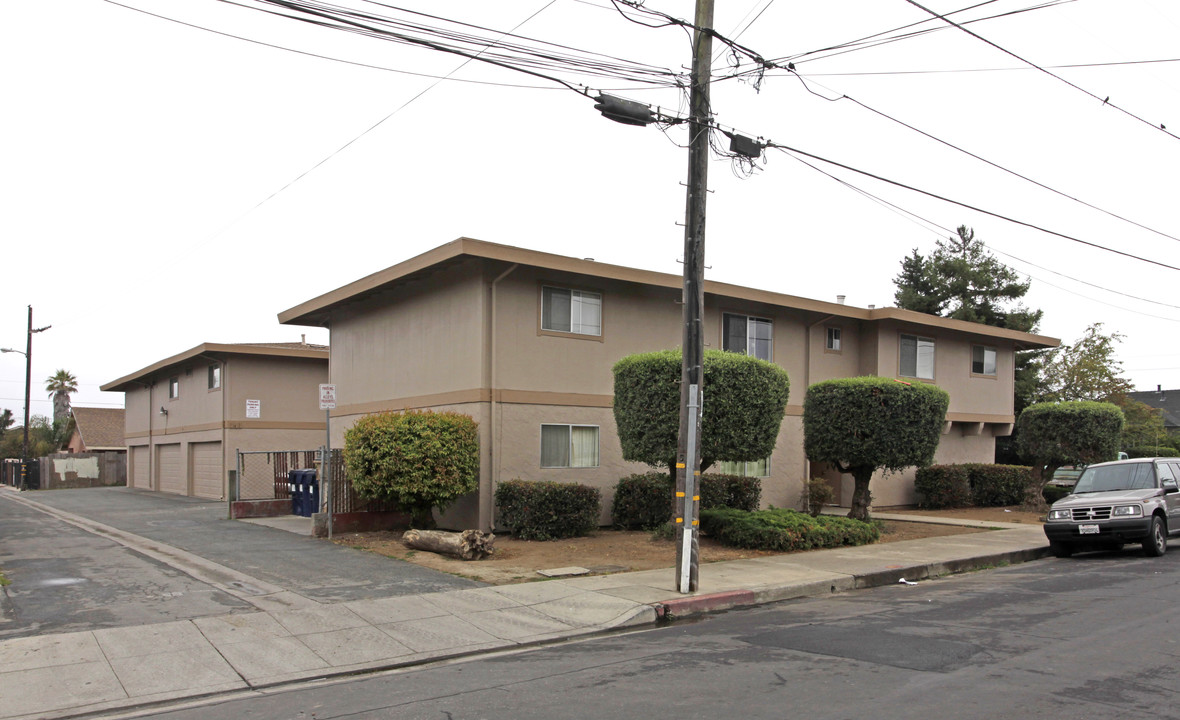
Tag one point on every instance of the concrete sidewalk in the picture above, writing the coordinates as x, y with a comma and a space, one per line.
99, 671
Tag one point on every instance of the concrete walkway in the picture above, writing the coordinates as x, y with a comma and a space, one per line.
294, 638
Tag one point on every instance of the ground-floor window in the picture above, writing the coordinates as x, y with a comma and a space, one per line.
569, 446
755, 468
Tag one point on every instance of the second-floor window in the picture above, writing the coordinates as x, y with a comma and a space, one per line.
917, 357
571, 311
748, 335
983, 360
214, 377
833, 341
173, 387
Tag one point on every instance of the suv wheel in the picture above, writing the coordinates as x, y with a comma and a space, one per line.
1156, 542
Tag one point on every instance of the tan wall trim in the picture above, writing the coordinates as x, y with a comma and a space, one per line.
457, 397
233, 425
531, 397
511, 397
980, 418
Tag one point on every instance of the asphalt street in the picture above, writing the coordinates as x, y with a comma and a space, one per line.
313, 568
1090, 637
64, 579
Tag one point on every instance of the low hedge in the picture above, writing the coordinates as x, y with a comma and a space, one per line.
1148, 451
978, 484
642, 502
785, 530
942, 486
546, 510
998, 485
647, 501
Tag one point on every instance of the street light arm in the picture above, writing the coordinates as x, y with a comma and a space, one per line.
8, 350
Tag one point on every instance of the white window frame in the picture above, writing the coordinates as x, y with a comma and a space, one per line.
214, 376
173, 387
751, 321
833, 339
569, 459
580, 301
921, 344
743, 468
986, 349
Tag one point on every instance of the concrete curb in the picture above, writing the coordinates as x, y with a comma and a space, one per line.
679, 608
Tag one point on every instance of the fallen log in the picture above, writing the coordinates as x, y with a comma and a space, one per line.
467, 545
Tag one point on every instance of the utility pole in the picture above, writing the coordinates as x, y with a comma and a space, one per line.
688, 452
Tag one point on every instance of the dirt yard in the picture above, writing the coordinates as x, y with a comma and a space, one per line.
609, 551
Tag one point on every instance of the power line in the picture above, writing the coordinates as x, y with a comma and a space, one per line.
981, 70
1010, 172
327, 57
972, 207
914, 217
1105, 101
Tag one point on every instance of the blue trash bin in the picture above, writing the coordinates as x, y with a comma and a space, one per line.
305, 495
311, 493
295, 490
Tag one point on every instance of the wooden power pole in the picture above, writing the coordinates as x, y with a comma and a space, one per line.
688, 453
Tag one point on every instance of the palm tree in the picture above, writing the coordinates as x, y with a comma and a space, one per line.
60, 385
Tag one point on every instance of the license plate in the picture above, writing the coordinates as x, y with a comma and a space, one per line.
1087, 529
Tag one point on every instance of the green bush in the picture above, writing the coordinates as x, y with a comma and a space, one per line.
643, 502
1053, 493
863, 424
419, 460
817, 493
740, 421
943, 486
546, 510
731, 491
785, 530
998, 485
1142, 452
647, 501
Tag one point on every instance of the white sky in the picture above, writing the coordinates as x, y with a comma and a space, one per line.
137, 156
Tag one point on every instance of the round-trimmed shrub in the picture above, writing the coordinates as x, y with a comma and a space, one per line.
419, 460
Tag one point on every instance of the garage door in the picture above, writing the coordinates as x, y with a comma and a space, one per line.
205, 461
141, 468
168, 469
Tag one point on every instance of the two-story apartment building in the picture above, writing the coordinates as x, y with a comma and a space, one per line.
524, 342
188, 415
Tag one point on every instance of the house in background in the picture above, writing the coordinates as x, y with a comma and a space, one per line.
1166, 400
188, 415
524, 342
97, 430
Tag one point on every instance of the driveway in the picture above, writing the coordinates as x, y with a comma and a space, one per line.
315, 569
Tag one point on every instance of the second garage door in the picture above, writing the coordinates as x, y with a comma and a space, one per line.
168, 469
206, 469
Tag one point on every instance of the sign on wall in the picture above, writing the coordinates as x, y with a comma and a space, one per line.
253, 409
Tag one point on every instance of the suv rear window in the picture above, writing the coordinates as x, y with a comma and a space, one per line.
1131, 476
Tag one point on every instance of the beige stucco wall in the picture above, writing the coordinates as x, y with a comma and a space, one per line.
421, 340
467, 337
287, 388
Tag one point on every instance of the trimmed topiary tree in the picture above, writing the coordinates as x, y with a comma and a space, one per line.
1068, 433
863, 424
745, 400
420, 460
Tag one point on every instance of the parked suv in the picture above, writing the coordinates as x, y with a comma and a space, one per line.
1119, 502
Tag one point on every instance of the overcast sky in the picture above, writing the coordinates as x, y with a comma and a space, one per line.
163, 184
